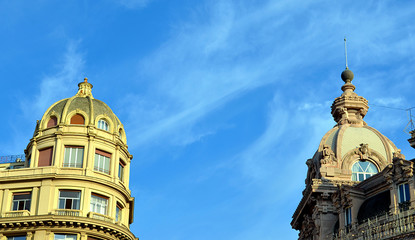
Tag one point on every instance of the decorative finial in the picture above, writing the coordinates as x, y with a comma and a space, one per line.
84, 89
345, 51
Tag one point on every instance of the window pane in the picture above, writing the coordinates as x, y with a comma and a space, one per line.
99, 204
407, 196
17, 238
102, 124
65, 237
69, 199
363, 170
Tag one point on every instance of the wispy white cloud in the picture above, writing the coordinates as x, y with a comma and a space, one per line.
55, 86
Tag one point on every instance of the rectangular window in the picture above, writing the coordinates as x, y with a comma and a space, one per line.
65, 237
16, 238
21, 201
45, 157
118, 211
102, 161
73, 156
69, 199
348, 216
121, 170
99, 204
404, 193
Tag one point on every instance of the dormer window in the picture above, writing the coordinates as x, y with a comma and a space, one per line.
363, 170
78, 119
53, 121
102, 124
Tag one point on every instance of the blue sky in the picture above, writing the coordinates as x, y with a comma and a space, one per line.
222, 101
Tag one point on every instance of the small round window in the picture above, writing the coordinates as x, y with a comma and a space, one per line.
102, 124
363, 170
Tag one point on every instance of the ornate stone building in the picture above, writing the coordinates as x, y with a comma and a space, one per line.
73, 184
358, 184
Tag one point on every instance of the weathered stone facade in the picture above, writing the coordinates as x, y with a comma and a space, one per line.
358, 184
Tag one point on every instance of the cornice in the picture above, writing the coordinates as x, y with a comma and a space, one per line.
30, 223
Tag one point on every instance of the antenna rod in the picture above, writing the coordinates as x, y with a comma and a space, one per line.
345, 51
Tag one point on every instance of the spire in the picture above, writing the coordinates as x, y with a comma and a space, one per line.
349, 108
85, 89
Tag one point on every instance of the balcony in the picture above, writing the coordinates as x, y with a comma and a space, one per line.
381, 227
68, 212
101, 217
20, 213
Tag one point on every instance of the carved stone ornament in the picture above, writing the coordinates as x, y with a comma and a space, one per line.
402, 170
311, 173
344, 116
363, 151
398, 155
328, 156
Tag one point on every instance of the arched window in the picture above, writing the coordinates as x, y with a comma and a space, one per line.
78, 119
53, 121
102, 124
363, 170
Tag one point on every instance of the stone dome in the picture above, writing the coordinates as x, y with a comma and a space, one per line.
351, 140
85, 105
346, 140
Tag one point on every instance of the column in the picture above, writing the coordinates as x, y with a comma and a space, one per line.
394, 198
35, 200
45, 193
4, 205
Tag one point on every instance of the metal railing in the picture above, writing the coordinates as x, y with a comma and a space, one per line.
380, 227
12, 158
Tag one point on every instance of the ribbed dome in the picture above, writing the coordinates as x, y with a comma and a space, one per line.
83, 104
351, 140
345, 139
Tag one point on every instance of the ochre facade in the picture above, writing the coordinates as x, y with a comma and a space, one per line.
358, 184
74, 181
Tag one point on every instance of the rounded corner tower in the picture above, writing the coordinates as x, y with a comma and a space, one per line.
74, 185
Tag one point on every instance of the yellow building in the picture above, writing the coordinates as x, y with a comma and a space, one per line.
74, 181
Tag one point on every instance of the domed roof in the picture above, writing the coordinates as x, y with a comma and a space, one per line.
344, 139
84, 104
351, 139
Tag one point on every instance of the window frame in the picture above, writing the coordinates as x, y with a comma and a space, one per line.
45, 158
52, 122
347, 216
77, 119
72, 200
26, 202
102, 159
17, 237
365, 173
404, 194
65, 236
93, 208
121, 170
118, 212
76, 161
103, 124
